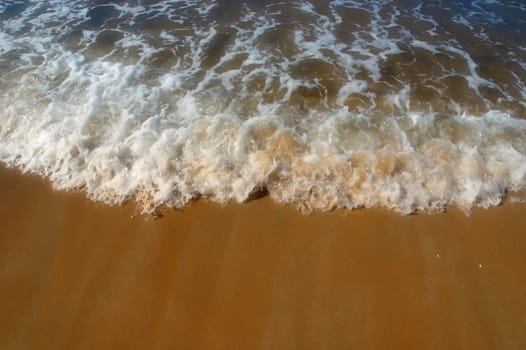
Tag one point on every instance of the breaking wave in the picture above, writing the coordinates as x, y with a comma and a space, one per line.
412, 106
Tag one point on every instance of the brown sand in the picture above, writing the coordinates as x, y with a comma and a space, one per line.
80, 275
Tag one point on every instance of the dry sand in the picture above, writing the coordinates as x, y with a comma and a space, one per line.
80, 275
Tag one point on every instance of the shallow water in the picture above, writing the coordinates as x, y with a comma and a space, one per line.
410, 105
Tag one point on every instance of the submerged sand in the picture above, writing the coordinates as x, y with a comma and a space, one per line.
75, 274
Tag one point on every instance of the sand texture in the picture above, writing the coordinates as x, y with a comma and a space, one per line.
76, 274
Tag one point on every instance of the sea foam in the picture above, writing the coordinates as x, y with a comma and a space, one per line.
346, 105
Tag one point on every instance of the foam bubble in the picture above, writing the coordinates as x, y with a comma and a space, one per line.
346, 104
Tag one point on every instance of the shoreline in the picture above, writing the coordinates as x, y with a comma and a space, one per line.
81, 274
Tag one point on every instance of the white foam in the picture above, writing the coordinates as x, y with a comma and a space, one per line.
228, 117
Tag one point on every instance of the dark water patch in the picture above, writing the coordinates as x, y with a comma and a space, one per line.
155, 23
109, 37
278, 41
166, 58
101, 14
105, 42
226, 11
14, 8
216, 48
94, 3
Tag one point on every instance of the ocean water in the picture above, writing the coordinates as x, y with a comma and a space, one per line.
408, 105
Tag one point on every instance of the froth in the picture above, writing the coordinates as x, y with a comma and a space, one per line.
341, 105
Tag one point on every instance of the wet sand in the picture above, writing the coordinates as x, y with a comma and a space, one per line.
81, 275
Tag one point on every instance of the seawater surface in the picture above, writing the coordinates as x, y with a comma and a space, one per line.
409, 105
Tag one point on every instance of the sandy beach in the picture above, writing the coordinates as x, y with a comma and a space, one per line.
75, 274
331, 106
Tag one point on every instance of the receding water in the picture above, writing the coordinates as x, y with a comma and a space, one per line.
409, 105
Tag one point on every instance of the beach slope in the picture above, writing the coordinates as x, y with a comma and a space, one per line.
75, 274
